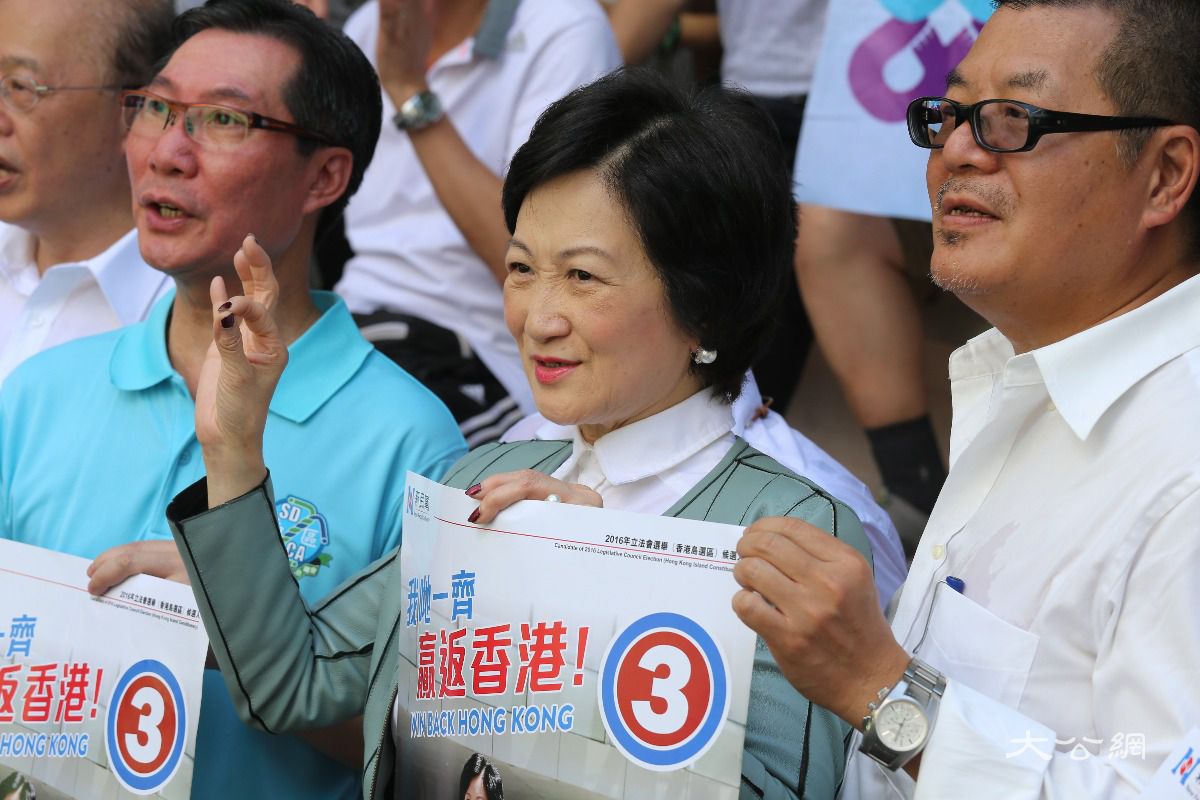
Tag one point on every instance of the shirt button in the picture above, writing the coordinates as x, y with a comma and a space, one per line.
938, 552
37, 321
1050, 407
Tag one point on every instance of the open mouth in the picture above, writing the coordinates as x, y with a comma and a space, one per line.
956, 200
967, 211
964, 208
552, 370
167, 211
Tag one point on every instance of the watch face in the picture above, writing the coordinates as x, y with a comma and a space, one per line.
901, 725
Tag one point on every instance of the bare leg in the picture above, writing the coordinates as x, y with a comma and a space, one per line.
850, 269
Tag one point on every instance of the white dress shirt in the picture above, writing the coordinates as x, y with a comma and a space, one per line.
410, 257
71, 300
770, 435
1072, 514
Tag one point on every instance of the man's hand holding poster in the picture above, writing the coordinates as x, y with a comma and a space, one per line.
99, 697
568, 652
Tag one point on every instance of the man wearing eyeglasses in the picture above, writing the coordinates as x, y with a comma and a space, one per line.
69, 264
261, 121
1046, 642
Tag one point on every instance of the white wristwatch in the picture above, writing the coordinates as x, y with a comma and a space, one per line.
900, 721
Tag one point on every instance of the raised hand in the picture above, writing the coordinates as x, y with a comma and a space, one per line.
500, 491
239, 376
402, 50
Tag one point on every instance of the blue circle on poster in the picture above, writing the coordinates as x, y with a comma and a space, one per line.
663, 691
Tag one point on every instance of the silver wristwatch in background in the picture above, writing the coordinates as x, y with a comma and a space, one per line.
419, 111
900, 721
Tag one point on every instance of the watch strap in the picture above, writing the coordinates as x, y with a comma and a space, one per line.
920, 684
874, 747
924, 683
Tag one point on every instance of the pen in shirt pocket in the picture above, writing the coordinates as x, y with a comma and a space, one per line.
957, 584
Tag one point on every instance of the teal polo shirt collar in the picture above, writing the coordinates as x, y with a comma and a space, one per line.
493, 29
320, 362
139, 359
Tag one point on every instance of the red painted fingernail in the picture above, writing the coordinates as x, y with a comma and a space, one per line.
225, 306
227, 322
474, 516
474, 490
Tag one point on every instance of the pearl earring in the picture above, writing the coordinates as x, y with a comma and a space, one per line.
702, 356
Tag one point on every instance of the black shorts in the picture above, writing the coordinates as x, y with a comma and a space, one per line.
447, 365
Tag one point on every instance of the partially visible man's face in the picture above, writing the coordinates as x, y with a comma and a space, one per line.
64, 155
192, 205
1017, 234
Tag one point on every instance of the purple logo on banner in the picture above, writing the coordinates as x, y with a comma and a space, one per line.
909, 33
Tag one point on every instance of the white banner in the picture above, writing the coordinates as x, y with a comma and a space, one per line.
878, 55
568, 652
99, 697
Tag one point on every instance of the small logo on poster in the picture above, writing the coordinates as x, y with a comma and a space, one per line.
664, 691
1186, 766
416, 503
146, 728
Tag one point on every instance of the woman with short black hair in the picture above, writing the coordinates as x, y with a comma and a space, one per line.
694, 174
650, 233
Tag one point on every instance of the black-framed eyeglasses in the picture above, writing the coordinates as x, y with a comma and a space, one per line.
1006, 126
217, 127
21, 93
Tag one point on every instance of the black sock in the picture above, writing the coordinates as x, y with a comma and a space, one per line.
909, 460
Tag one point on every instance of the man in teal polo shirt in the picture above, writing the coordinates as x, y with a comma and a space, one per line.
261, 120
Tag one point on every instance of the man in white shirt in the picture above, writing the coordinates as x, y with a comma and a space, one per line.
69, 262
1051, 603
462, 86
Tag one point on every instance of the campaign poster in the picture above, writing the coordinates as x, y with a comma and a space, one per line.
568, 652
876, 57
99, 697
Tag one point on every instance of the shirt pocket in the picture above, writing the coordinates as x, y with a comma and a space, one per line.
968, 643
